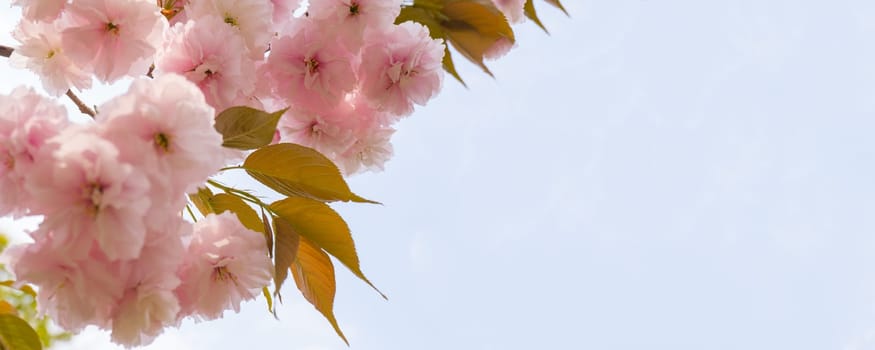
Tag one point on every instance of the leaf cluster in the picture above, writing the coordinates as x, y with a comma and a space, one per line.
301, 230
471, 27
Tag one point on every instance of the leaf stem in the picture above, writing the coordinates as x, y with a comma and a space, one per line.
188, 208
231, 167
246, 196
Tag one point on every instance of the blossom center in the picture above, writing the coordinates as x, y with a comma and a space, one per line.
354, 9
312, 65
231, 20
50, 54
221, 274
9, 161
112, 28
162, 141
94, 193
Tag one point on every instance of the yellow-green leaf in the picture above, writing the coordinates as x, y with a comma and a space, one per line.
529, 9
247, 128
449, 66
247, 216
295, 170
201, 200
558, 5
269, 232
269, 299
287, 241
320, 224
314, 275
7, 308
474, 28
16, 334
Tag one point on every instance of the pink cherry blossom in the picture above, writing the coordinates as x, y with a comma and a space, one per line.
323, 132
113, 38
226, 263
149, 304
144, 311
27, 121
85, 191
512, 9
165, 126
207, 53
370, 151
283, 12
41, 52
352, 19
73, 292
309, 68
402, 68
40, 10
251, 18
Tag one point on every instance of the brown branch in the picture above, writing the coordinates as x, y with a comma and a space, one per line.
6, 51
82, 106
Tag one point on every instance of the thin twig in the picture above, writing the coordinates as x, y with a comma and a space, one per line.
82, 106
6, 51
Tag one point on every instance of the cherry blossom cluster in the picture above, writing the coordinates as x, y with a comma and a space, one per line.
113, 250
342, 67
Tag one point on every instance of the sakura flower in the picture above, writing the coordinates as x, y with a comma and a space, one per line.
309, 68
40, 10
208, 53
512, 9
85, 191
251, 18
149, 304
144, 312
352, 18
165, 126
113, 38
283, 12
370, 151
27, 121
402, 68
73, 292
322, 132
226, 264
41, 52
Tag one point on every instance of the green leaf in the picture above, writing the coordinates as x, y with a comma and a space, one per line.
247, 128
295, 170
247, 216
314, 275
320, 224
558, 5
287, 241
529, 9
16, 334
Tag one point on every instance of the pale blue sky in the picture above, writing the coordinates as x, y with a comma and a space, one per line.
653, 175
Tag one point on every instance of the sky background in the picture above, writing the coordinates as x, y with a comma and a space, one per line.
653, 174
